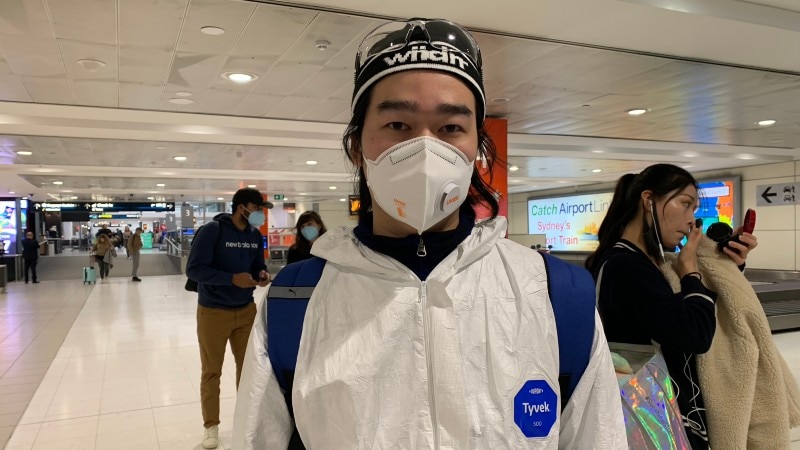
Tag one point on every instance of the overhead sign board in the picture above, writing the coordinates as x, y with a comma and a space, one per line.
104, 207
570, 223
777, 194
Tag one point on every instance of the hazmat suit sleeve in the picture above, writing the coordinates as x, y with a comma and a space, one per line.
261, 419
593, 416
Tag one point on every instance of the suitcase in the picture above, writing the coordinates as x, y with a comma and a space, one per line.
89, 275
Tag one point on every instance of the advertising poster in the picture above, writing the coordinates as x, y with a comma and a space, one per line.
716, 202
570, 223
8, 224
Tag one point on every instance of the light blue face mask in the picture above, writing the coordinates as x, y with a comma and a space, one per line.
256, 218
310, 232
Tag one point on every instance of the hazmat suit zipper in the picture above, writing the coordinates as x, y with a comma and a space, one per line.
429, 358
421, 251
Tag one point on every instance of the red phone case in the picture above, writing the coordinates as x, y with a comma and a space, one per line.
749, 221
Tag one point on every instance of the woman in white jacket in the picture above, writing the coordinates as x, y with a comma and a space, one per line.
425, 328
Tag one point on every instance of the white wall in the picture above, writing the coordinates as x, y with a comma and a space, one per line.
337, 215
777, 227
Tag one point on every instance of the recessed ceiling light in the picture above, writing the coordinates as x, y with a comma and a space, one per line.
766, 123
597, 170
151, 198
322, 44
513, 168
160, 185
240, 77
212, 31
562, 182
598, 151
333, 188
342, 199
220, 198
10, 192
690, 155
311, 163
637, 112
24, 153
303, 193
183, 94
160, 147
58, 182
180, 158
91, 65
501, 100
251, 186
516, 181
74, 197
745, 156
181, 101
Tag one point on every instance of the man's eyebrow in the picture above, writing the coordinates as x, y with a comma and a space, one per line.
447, 109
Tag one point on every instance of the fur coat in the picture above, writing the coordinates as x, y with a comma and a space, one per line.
751, 397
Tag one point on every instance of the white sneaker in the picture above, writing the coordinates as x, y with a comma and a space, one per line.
211, 437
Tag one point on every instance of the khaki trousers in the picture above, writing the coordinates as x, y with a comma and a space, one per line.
215, 327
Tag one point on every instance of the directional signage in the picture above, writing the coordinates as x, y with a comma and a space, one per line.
777, 194
278, 197
101, 207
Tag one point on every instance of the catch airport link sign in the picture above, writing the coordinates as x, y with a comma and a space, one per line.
569, 223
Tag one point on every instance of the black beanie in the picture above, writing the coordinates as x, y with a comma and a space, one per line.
420, 54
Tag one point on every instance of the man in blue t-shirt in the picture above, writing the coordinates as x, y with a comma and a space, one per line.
227, 262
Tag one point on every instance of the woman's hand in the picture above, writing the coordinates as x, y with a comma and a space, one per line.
748, 243
687, 258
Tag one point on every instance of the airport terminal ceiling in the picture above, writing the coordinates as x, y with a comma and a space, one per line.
116, 98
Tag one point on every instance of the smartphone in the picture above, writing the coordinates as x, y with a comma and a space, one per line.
748, 226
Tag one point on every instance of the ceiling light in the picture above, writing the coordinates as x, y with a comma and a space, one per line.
562, 182
766, 123
690, 155
212, 31
10, 192
598, 151
151, 198
745, 156
516, 181
303, 193
58, 182
637, 112
24, 153
501, 100
311, 163
74, 197
341, 199
183, 94
322, 44
513, 168
597, 170
180, 158
91, 65
333, 188
160, 185
220, 198
181, 101
240, 77
251, 186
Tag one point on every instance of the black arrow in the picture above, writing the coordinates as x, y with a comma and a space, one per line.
767, 194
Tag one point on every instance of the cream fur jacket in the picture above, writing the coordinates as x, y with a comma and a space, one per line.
751, 397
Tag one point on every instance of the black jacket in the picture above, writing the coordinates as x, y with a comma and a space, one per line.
30, 249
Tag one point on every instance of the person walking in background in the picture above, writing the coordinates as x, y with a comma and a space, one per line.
30, 253
104, 230
103, 252
134, 249
227, 262
126, 235
309, 227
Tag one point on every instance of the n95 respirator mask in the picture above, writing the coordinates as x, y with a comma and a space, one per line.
420, 181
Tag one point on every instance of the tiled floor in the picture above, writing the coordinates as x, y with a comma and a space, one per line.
125, 375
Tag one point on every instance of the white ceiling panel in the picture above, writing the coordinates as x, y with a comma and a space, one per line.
33, 56
257, 105
232, 16
326, 109
150, 23
294, 107
337, 29
284, 78
12, 89
47, 90
25, 17
196, 70
325, 82
217, 100
272, 30
791, 5
139, 96
84, 20
148, 65
97, 93
73, 51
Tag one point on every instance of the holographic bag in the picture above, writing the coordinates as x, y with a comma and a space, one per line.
649, 399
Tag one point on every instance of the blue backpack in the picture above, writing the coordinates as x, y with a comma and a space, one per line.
572, 295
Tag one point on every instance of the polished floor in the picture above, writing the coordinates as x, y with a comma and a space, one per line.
116, 366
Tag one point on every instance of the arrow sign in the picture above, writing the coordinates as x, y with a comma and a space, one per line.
767, 194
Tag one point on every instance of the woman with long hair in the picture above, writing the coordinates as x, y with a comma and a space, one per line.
308, 228
650, 213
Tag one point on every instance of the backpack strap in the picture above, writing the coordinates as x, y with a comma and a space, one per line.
572, 295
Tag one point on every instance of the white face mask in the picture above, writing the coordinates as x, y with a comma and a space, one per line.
420, 181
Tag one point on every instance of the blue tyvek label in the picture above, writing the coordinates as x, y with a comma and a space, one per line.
536, 408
